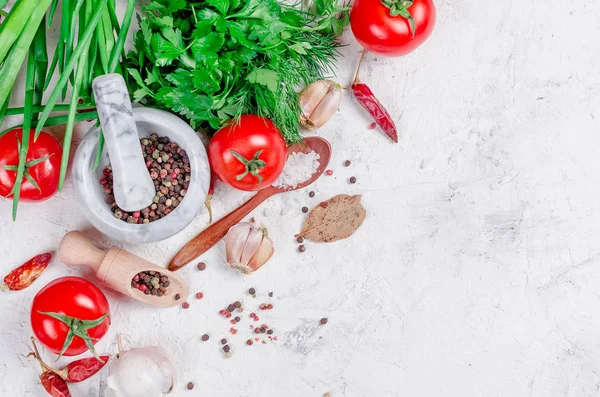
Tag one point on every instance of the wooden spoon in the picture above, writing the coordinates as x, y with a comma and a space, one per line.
116, 268
211, 235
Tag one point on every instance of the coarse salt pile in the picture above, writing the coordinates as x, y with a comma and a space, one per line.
299, 167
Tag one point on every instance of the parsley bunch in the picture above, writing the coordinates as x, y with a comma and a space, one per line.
213, 60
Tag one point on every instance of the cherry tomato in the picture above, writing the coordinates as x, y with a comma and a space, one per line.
248, 155
378, 31
45, 173
74, 298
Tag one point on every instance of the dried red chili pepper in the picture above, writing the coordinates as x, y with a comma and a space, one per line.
367, 99
76, 371
211, 190
54, 384
23, 276
83, 369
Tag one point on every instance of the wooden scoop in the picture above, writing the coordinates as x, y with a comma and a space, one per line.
211, 235
116, 268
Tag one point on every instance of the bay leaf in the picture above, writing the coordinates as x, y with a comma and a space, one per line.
335, 219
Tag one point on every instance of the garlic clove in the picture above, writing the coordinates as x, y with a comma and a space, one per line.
263, 254
248, 247
312, 95
252, 244
318, 102
327, 107
235, 240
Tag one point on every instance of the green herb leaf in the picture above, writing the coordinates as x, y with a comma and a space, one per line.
221, 5
266, 77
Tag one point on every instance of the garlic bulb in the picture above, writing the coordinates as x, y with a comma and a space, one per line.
142, 372
248, 247
318, 102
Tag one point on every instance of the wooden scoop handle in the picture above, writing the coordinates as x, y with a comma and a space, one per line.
76, 249
212, 234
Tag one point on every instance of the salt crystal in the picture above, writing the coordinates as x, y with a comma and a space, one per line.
299, 168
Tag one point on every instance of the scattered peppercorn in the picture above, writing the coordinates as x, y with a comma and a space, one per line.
347, 163
300, 240
190, 386
237, 304
353, 180
226, 348
311, 194
177, 297
270, 332
305, 209
169, 168
249, 342
185, 305
270, 293
324, 321
237, 319
302, 248
252, 291
205, 337
223, 341
201, 266
230, 308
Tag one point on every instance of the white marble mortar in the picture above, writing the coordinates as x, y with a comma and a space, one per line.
90, 193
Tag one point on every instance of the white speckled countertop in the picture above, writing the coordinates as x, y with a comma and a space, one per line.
476, 272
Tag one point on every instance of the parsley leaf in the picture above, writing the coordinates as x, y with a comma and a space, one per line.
266, 77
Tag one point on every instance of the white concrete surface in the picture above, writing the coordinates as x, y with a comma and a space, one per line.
476, 272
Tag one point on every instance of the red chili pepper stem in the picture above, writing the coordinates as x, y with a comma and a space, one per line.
357, 76
45, 367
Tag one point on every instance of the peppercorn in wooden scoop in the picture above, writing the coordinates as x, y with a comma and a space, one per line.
211, 235
124, 272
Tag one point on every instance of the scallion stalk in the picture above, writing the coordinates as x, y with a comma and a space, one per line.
62, 81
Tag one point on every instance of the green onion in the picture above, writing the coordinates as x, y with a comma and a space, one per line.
14, 25
62, 81
57, 120
24, 146
13, 61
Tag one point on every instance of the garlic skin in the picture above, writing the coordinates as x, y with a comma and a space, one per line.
318, 102
248, 247
142, 372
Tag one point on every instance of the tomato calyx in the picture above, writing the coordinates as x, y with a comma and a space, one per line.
400, 7
252, 166
78, 328
28, 166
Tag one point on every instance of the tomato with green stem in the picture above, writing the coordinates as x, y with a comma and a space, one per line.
248, 154
392, 27
69, 315
42, 166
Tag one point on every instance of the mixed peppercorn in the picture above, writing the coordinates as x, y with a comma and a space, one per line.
169, 167
151, 283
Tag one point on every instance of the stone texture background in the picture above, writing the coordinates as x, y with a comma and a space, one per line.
476, 271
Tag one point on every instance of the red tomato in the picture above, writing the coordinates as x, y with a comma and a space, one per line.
248, 155
45, 173
378, 31
75, 298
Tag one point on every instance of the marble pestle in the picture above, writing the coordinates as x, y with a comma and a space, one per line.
132, 185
